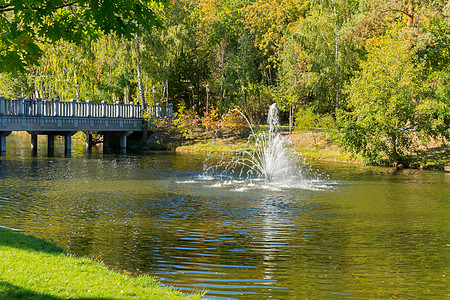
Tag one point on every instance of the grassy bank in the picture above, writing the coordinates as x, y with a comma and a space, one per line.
31, 268
317, 146
311, 146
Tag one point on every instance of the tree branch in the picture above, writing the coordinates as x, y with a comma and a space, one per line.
7, 8
398, 10
58, 7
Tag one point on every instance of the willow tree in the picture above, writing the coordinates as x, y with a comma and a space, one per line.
318, 58
168, 53
93, 70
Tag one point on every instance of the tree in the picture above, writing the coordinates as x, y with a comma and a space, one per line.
231, 57
267, 21
436, 54
389, 103
317, 58
26, 23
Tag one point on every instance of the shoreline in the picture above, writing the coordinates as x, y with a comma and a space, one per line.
312, 146
35, 268
316, 146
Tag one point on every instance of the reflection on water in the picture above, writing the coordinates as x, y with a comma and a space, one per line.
365, 233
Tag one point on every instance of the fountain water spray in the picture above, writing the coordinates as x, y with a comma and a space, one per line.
268, 155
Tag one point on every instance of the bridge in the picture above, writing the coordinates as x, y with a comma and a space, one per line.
65, 118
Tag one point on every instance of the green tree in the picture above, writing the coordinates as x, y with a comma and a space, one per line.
232, 55
436, 54
13, 86
389, 103
267, 22
317, 58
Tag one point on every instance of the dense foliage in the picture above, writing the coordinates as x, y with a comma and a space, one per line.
25, 24
380, 68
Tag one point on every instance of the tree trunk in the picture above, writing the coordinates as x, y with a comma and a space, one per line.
77, 87
75, 77
167, 92
410, 14
336, 59
138, 68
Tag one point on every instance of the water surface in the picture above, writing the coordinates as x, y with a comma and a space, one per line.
357, 232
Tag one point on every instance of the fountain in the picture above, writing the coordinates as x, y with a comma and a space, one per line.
269, 158
267, 154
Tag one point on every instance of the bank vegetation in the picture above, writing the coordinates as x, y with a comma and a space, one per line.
31, 268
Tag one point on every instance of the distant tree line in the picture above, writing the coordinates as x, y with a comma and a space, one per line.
379, 68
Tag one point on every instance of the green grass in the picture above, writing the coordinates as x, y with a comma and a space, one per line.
317, 146
309, 149
214, 145
32, 268
317, 152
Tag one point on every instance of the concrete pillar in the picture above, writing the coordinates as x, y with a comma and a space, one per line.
73, 105
157, 111
2, 144
3, 135
145, 133
88, 140
50, 145
118, 107
89, 108
34, 142
21, 105
105, 143
79, 109
68, 143
170, 110
132, 110
123, 141
103, 108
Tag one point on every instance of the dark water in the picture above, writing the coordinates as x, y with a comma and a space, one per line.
361, 233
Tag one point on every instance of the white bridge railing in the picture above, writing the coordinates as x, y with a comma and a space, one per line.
76, 109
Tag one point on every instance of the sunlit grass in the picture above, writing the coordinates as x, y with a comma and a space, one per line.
331, 153
317, 146
31, 268
309, 147
215, 145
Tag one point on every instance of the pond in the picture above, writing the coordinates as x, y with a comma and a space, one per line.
354, 232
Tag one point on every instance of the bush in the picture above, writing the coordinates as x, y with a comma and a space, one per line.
185, 122
306, 119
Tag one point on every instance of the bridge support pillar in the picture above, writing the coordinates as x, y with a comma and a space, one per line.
123, 143
116, 140
68, 143
88, 140
34, 143
105, 143
50, 145
3, 135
